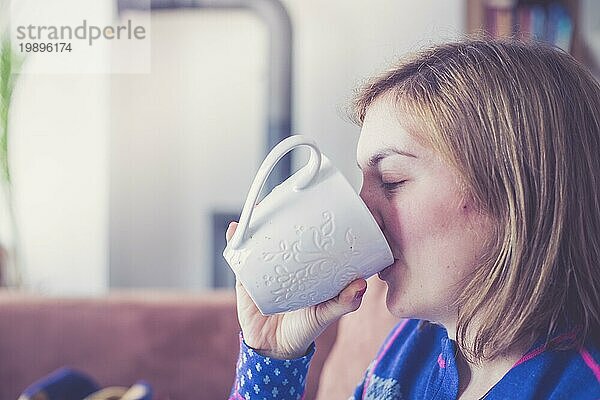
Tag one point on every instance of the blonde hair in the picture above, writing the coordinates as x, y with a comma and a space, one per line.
520, 122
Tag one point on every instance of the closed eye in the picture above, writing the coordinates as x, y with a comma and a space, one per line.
391, 186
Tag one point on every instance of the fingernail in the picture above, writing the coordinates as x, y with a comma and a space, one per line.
359, 294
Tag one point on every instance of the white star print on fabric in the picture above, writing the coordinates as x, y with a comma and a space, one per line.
264, 377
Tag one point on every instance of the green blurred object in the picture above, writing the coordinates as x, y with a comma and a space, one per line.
10, 271
7, 83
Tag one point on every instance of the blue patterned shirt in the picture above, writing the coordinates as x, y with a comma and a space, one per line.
418, 362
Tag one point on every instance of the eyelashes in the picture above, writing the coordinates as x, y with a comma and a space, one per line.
390, 187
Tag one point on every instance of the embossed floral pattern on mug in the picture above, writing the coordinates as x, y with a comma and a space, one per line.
313, 251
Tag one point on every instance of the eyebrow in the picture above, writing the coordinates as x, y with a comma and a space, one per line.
376, 158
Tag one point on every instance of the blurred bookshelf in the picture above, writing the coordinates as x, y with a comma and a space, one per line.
572, 25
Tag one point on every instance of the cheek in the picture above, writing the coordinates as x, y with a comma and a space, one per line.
425, 218
436, 233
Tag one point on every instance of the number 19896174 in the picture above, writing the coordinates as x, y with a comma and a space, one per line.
45, 47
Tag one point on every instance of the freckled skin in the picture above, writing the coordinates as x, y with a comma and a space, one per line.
436, 236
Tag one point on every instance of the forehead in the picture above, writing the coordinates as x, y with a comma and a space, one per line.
384, 129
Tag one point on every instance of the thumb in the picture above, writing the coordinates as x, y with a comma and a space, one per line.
345, 302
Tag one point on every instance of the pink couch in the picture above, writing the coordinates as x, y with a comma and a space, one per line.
185, 345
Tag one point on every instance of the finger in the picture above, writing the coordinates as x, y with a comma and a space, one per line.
245, 304
346, 301
231, 230
240, 288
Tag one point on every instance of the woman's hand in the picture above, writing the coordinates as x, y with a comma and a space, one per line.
289, 335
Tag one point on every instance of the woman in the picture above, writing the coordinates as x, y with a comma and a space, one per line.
481, 164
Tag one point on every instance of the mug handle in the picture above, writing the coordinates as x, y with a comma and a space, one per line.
308, 174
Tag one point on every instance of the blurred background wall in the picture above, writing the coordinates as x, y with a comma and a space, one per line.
185, 141
118, 176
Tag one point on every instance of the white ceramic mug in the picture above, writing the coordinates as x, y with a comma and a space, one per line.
307, 239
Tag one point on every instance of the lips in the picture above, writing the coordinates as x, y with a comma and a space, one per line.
382, 274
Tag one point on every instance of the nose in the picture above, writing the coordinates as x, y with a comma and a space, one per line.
372, 199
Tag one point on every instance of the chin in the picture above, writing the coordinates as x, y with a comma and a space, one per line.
404, 305
397, 305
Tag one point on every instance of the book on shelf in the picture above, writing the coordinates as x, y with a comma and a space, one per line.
538, 22
524, 24
560, 26
499, 17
